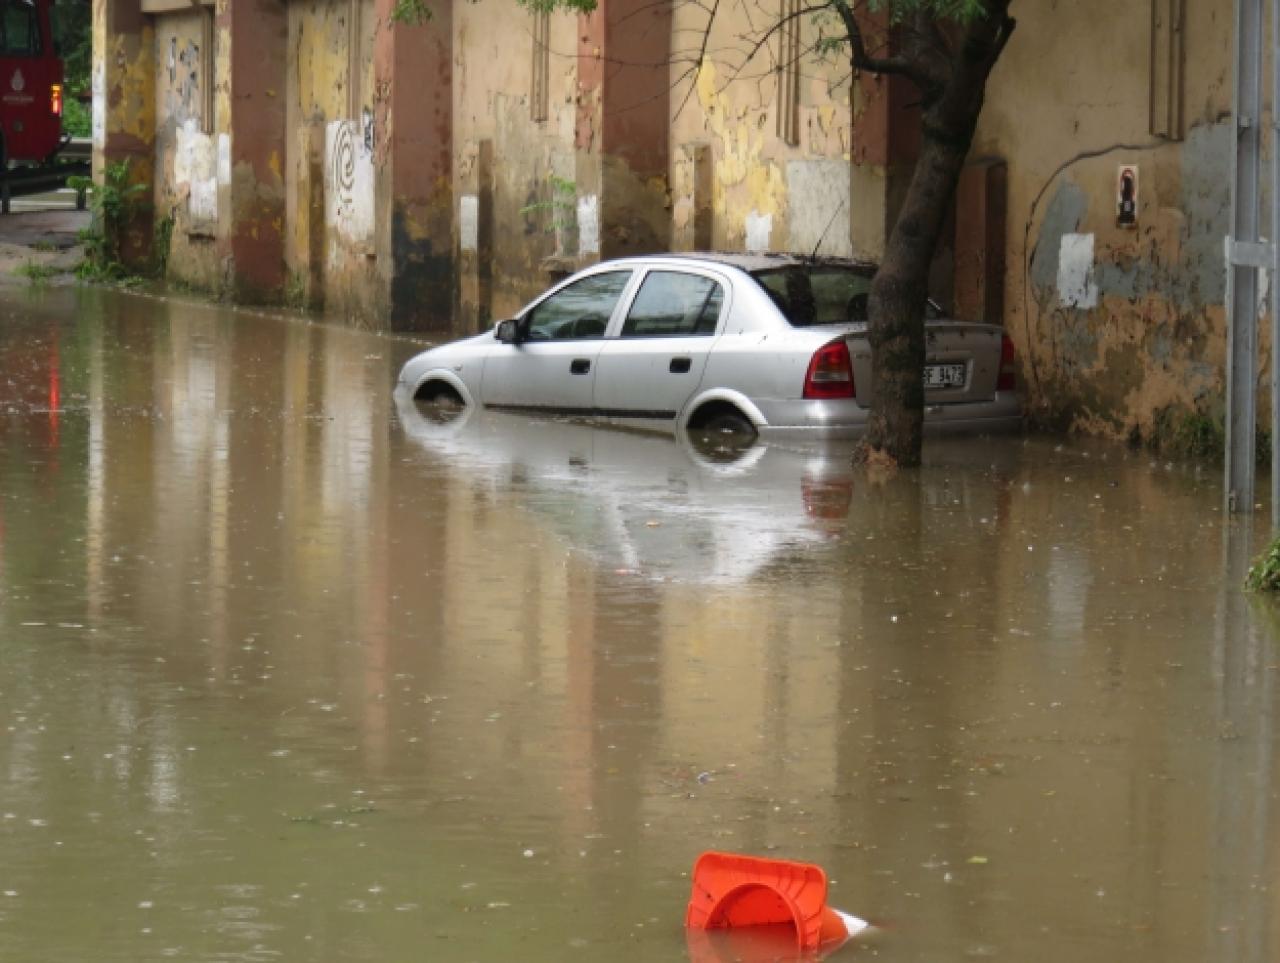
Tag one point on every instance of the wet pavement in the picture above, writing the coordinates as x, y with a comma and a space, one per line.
290, 670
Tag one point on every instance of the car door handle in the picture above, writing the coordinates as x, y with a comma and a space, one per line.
680, 365
580, 366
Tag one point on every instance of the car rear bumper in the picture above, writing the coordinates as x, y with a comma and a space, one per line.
843, 418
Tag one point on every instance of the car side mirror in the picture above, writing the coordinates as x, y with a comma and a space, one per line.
508, 332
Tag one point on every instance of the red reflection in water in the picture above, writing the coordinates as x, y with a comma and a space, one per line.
55, 394
827, 499
774, 943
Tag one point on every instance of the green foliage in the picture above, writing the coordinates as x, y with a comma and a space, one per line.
417, 12
37, 274
295, 291
1185, 433
899, 10
73, 34
112, 202
562, 206
161, 244
1264, 574
410, 12
77, 119
1196, 435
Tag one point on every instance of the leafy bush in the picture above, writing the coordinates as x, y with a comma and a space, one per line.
1264, 574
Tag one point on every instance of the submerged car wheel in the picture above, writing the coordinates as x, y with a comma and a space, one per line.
722, 419
439, 401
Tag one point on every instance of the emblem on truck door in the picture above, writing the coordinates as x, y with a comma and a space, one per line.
17, 82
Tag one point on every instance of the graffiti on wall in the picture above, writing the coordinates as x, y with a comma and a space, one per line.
349, 184
183, 89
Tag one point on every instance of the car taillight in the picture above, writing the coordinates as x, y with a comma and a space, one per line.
830, 373
1008, 378
55, 99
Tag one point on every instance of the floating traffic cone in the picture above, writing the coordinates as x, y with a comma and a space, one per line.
737, 891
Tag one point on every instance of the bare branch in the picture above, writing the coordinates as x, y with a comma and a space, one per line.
862, 60
702, 53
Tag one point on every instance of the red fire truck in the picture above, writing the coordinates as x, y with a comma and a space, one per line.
30, 83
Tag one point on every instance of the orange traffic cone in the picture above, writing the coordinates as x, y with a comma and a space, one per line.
735, 891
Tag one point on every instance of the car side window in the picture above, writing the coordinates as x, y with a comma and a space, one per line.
672, 304
578, 312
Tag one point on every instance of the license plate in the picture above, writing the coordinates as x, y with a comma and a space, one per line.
944, 375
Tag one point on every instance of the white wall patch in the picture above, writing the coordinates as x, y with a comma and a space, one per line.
469, 221
193, 158
194, 165
98, 85
203, 203
348, 181
818, 208
589, 224
1076, 286
224, 159
759, 228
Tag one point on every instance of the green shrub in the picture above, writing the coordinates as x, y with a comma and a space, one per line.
1264, 574
112, 202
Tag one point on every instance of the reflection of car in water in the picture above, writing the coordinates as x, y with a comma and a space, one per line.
681, 508
767, 344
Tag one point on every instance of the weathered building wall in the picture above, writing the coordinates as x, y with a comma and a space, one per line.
515, 175
192, 152
730, 135
1116, 327
437, 179
124, 117
329, 177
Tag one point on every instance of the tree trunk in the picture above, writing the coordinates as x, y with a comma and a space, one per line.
897, 305
900, 291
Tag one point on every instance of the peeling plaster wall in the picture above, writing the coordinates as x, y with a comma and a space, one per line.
329, 180
187, 184
766, 194
1113, 326
530, 220
125, 111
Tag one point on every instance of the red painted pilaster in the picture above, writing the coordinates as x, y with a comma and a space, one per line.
413, 165
257, 32
885, 143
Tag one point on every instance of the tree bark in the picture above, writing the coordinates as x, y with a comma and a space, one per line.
900, 290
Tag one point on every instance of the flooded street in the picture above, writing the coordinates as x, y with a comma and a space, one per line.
290, 670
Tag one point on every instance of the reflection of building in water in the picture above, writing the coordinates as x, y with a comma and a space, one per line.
1242, 923
503, 649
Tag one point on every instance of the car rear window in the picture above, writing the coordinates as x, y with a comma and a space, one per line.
817, 293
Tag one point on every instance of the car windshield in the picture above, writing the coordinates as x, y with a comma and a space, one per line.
818, 293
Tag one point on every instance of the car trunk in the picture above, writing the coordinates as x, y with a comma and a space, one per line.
962, 362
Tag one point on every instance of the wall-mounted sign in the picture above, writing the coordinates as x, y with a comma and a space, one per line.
1127, 196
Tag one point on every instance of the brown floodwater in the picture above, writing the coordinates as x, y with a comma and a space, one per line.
293, 670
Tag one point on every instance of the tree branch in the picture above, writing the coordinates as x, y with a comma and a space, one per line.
877, 65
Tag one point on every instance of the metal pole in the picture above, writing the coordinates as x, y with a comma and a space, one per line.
1244, 257
1275, 265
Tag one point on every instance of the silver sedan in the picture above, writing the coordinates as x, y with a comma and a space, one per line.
769, 344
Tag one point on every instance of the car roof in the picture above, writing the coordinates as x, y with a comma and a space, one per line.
756, 262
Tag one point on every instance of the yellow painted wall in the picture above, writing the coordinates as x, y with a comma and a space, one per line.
1155, 339
493, 82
